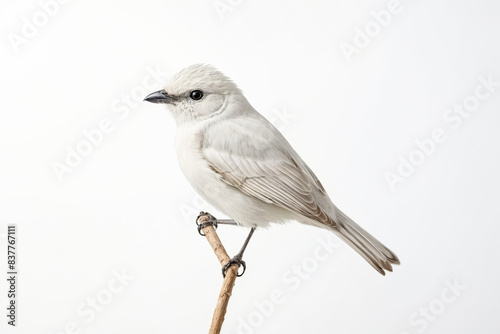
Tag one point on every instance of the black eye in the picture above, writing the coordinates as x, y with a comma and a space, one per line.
196, 94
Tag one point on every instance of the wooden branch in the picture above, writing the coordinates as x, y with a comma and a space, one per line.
229, 280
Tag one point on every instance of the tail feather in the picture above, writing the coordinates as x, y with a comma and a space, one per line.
373, 251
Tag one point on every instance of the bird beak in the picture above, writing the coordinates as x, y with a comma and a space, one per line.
160, 96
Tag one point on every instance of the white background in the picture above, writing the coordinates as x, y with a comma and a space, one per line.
127, 207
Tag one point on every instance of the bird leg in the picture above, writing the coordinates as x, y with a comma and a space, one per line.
238, 258
226, 221
212, 221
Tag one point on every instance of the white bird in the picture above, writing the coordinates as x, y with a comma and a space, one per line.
242, 165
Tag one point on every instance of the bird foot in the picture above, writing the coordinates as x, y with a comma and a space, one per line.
235, 260
211, 221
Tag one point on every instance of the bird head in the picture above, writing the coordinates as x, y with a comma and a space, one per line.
197, 92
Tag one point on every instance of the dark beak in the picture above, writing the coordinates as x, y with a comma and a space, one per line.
160, 96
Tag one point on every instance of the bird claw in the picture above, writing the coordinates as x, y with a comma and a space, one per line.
211, 221
237, 259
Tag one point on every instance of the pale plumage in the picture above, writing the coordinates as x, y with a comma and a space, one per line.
241, 164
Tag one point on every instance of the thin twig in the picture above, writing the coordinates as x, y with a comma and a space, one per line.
231, 274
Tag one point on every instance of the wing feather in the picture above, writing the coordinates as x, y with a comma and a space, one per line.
279, 181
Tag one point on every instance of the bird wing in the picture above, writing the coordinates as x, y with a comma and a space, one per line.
280, 181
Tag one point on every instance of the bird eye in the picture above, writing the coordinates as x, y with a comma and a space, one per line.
196, 94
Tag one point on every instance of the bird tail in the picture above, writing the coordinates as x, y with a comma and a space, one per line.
373, 251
